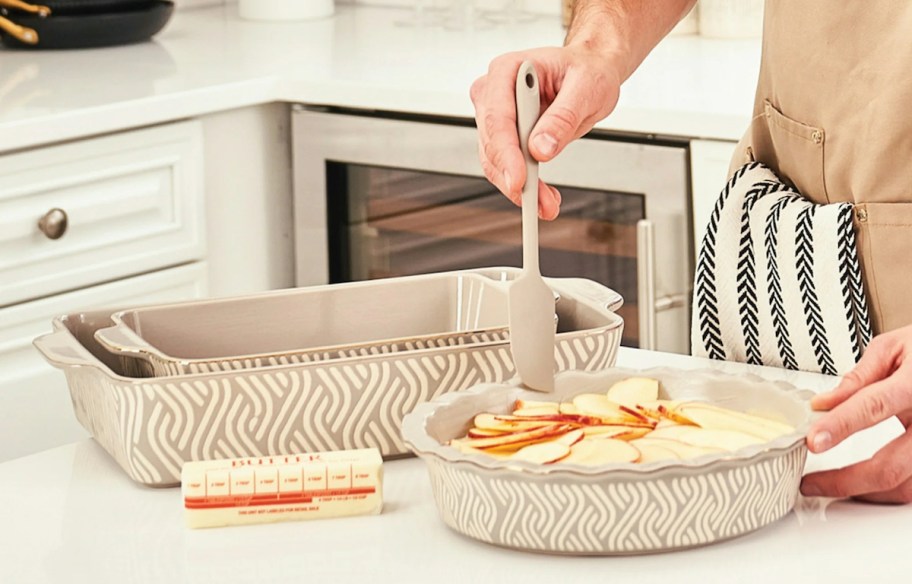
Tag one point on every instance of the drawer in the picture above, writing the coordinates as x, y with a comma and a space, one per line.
35, 408
133, 203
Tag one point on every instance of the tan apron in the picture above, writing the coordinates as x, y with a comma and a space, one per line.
833, 116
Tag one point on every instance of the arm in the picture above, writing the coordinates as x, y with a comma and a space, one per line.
607, 41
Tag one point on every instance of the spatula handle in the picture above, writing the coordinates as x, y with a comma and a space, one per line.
528, 108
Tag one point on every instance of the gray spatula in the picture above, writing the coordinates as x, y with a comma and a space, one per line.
531, 301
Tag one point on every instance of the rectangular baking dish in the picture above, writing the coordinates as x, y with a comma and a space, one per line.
309, 324
152, 426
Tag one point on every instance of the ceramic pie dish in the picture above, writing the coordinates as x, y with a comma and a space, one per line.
151, 426
614, 509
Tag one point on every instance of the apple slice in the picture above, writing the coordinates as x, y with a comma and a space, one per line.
542, 453
568, 408
540, 433
629, 392
524, 404
571, 437
599, 406
604, 451
637, 415
536, 412
483, 433
675, 416
681, 449
505, 423
469, 450
609, 430
714, 417
652, 452
627, 434
730, 440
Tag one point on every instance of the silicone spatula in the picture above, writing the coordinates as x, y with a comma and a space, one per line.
531, 301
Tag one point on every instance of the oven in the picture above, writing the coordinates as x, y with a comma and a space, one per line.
378, 196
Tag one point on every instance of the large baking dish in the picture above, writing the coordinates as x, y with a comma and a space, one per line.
613, 509
152, 426
309, 324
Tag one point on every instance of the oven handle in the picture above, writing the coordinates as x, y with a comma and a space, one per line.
648, 305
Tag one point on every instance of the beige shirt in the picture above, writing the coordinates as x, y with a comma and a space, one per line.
833, 116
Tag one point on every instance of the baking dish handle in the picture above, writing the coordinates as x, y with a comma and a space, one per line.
61, 350
120, 340
592, 291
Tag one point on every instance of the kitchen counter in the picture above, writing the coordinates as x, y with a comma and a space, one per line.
71, 515
208, 60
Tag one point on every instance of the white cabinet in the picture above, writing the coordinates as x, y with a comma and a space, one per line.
100, 209
103, 222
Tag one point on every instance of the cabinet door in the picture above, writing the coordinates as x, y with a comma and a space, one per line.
35, 408
99, 210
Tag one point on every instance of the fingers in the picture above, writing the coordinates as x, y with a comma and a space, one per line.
878, 362
868, 406
886, 477
581, 101
549, 200
498, 143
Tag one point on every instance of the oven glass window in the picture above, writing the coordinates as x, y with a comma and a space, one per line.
393, 222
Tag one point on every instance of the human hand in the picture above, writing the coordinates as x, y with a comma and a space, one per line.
579, 86
880, 386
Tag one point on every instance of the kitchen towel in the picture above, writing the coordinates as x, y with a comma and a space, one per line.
778, 280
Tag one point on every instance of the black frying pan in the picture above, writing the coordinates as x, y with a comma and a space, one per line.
97, 23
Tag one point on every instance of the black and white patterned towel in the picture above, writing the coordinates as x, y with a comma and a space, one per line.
778, 280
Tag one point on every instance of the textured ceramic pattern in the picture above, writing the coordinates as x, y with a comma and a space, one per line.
152, 426
597, 516
616, 508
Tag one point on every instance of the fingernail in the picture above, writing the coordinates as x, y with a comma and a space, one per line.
508, 183
821, 441
546, 144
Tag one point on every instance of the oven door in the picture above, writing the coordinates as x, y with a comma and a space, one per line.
377, 197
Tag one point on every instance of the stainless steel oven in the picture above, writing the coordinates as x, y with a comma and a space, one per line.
383, 196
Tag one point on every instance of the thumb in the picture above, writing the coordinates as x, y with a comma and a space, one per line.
568, 117
878, 362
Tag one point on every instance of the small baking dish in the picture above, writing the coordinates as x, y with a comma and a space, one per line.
152, 426
616, 508
310, 324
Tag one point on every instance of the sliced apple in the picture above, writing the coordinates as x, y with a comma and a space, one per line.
599, 406
506, 424
605, 451
490, 452
714, 417
730, 440
483, 433
571, 437
610, 431
629, 392
568, 408
523, 404
652, 452
635, 414
537, 411
626, 435
542, 453
675, 416
550, 431
681, 449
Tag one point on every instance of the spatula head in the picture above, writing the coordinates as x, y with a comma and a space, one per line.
532, 331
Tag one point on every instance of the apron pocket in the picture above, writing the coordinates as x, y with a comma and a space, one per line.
884, 239
794, 151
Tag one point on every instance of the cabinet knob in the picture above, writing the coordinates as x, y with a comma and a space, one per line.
53, 224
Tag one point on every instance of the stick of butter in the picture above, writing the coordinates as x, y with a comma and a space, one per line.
280, 488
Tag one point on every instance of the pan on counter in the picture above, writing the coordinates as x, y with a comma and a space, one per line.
71, 24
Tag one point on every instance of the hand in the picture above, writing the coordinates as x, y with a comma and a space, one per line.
880, 386
579, 86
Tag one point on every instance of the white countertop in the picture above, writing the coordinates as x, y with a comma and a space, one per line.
71, 515
209, 60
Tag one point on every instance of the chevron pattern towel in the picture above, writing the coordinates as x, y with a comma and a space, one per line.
778, 280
